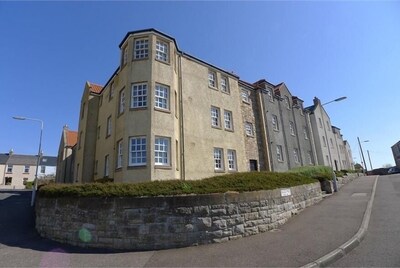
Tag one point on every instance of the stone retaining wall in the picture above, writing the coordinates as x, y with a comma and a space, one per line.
149, 223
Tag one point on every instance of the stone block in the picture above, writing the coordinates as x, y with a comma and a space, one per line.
238, 229
251, 216
251, 231
184, 210
220, 224
201, 210
221, 240
218, 212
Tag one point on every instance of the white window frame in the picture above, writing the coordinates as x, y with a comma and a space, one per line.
125, 55
139, 95
249, 129
215, 117
296, 155
212, 79
111, 92
141, 49
287, 102
161, 97
119, 154
121, 107
228, 120
162, 51
26, 168
245, 94
109, 127
324, 141
231, 157
305, 133
162, 151
225, 84
9, 168
309, 158
107, 166
218, 159
275, 123
270, 96
279, 153
291, 127
139, 152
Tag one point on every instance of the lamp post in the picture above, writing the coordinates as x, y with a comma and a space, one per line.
362, 154
38, 156
335, 189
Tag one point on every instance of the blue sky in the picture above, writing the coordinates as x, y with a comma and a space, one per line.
328, 49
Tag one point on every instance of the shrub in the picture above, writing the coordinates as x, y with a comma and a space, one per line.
320, 173
240, 182
29, 185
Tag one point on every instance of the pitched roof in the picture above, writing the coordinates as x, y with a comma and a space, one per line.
19, 159
72, 137
95, 88
48, 161
3, 158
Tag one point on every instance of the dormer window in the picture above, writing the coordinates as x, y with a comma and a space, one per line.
125, 55
287, 102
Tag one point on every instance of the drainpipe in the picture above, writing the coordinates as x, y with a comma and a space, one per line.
181, 128
268, 162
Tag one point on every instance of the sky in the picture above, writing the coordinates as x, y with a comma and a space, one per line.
324, 49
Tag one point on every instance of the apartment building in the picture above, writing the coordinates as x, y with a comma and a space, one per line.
18, 169
165, 114
331, 149
162, 115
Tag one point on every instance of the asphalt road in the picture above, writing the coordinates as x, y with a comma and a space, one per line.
381, 245
313, 233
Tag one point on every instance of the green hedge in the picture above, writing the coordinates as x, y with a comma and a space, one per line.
320, 173
240, 182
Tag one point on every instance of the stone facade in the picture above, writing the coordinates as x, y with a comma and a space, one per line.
168, 222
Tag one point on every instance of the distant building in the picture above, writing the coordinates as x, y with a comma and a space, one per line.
18, 169
330, 147
396, 153
65, 157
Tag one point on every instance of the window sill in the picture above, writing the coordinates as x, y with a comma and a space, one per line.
162, 167
213, 88
164, 62
246, 102
137, 167
137, 108
229, 130
162, 110
276, 130
250, 136
215, 127
120, 114
118, 169
226, 92
141, 59
219, 171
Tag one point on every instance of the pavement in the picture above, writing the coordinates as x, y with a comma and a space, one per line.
318, 236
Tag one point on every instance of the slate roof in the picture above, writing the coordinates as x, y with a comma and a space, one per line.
18, 159
3, 159
48, 161
31, 160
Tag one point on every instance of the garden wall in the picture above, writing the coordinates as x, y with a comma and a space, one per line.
148, 223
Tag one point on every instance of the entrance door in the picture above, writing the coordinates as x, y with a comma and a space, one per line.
253, 165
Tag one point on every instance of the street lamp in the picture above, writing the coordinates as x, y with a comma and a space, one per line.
335, 189
335, 100
38, 156
362, 154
